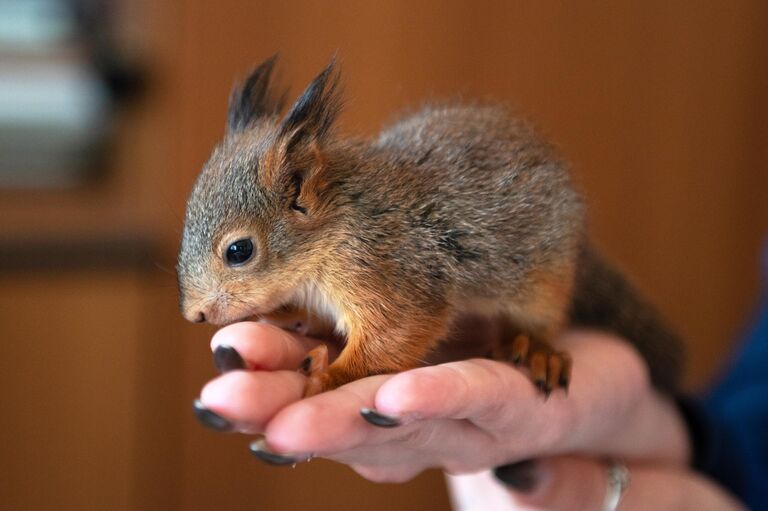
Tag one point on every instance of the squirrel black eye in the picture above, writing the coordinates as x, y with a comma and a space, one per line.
239, 252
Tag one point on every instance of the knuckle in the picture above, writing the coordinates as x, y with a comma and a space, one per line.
408, 392
421, 437
309, 412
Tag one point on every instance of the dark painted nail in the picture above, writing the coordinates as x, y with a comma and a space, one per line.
379, 419
259, 449
520, 476
211, 419
226, 358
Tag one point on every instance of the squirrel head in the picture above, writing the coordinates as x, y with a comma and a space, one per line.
257, 217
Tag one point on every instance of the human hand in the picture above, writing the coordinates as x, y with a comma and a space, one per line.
461, 416
571, 483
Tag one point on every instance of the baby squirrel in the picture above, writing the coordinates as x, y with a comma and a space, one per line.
455, 209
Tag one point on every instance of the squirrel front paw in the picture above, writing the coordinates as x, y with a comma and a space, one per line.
321, 376
315, 368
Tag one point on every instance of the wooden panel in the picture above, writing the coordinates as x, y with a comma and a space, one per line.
70, 383
91, 391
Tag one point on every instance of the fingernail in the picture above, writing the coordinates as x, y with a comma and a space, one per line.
211, 419
379, 419
520, 476
226, 358
259, 449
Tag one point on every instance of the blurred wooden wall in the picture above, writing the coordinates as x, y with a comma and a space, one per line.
659, 106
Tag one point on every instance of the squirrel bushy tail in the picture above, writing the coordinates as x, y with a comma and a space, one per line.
604, 299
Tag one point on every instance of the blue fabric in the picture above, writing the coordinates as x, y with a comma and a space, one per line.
736, 413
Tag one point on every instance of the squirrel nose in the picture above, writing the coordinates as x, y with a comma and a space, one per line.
195, 316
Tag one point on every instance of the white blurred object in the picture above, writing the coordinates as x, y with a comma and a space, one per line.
477, 492
53, 119
32, 24
54, 109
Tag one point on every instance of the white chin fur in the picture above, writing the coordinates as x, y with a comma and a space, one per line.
308, 296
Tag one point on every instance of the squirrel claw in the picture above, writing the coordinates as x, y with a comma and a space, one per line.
521, 345
315, 367
552, 374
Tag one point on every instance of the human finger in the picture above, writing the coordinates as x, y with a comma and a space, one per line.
563, 484
261, 346
605, 369
470, 389
608, 381
245, 401
330, 425
327, 422
388, 474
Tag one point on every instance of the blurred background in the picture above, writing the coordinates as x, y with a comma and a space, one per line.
108, 108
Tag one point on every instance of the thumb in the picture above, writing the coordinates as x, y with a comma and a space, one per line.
563, 483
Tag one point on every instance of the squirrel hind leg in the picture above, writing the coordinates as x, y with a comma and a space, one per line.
526, 339
531, 326
547, 368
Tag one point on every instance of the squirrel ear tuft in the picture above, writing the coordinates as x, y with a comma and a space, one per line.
312, 115
254, 98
